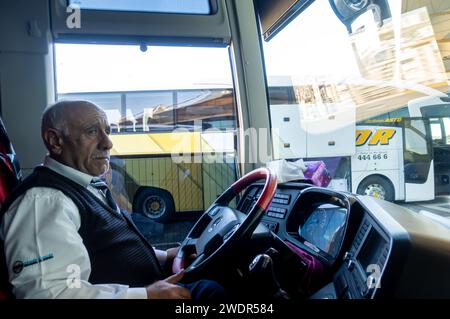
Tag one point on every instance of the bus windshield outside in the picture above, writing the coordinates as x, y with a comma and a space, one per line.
354, 97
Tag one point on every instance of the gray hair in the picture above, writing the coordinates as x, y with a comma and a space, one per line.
55, 115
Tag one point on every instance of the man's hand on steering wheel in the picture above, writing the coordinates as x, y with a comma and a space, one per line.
171, 254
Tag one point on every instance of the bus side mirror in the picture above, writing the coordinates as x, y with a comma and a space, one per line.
349, 10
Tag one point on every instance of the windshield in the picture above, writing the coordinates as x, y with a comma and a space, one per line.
349, 98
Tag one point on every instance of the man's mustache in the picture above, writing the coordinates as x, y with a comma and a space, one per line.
102, 156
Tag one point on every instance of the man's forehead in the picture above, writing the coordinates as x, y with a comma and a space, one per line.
87, 113
88, 109
87, 106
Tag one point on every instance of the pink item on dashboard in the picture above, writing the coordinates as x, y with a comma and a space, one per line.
317, 172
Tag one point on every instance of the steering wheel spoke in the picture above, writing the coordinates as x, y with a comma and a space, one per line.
196, 262
190, 244
231, 232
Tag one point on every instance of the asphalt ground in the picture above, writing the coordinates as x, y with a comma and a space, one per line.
439, 206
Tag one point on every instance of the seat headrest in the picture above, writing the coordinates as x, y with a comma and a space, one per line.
10, 173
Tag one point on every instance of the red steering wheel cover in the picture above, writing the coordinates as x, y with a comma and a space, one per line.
269, 188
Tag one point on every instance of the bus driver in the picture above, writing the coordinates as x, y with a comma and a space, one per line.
64, 235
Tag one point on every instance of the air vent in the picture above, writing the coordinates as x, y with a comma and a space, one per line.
360, 236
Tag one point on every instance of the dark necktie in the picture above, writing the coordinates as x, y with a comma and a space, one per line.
101, 186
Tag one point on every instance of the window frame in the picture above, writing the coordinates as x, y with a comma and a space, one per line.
124, 27
212, 5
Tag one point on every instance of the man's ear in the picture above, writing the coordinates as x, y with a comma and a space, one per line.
53, 140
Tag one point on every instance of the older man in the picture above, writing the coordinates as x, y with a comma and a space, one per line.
66, 238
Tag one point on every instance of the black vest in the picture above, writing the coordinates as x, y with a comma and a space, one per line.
118, 252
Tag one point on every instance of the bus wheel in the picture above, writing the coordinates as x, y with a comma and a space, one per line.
156, 204
378, 187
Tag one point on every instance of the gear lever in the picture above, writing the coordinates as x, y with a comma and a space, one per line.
261, 271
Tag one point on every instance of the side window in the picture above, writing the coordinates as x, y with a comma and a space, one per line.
440, 130
169, 109
415, 137
417, 155
153, 110
446, 121
436, 131
213, 107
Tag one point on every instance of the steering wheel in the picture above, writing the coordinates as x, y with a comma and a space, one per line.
222, 228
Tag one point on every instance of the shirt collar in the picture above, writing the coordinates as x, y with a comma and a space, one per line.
75, 175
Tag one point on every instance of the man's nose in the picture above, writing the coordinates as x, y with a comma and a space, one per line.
106, 142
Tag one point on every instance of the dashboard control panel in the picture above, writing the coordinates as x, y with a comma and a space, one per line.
361, 272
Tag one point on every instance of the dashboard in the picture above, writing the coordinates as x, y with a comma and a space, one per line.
348, 246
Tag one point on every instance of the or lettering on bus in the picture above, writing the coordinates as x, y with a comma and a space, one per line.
381, 136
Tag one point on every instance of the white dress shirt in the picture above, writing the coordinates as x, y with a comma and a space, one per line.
40, 231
